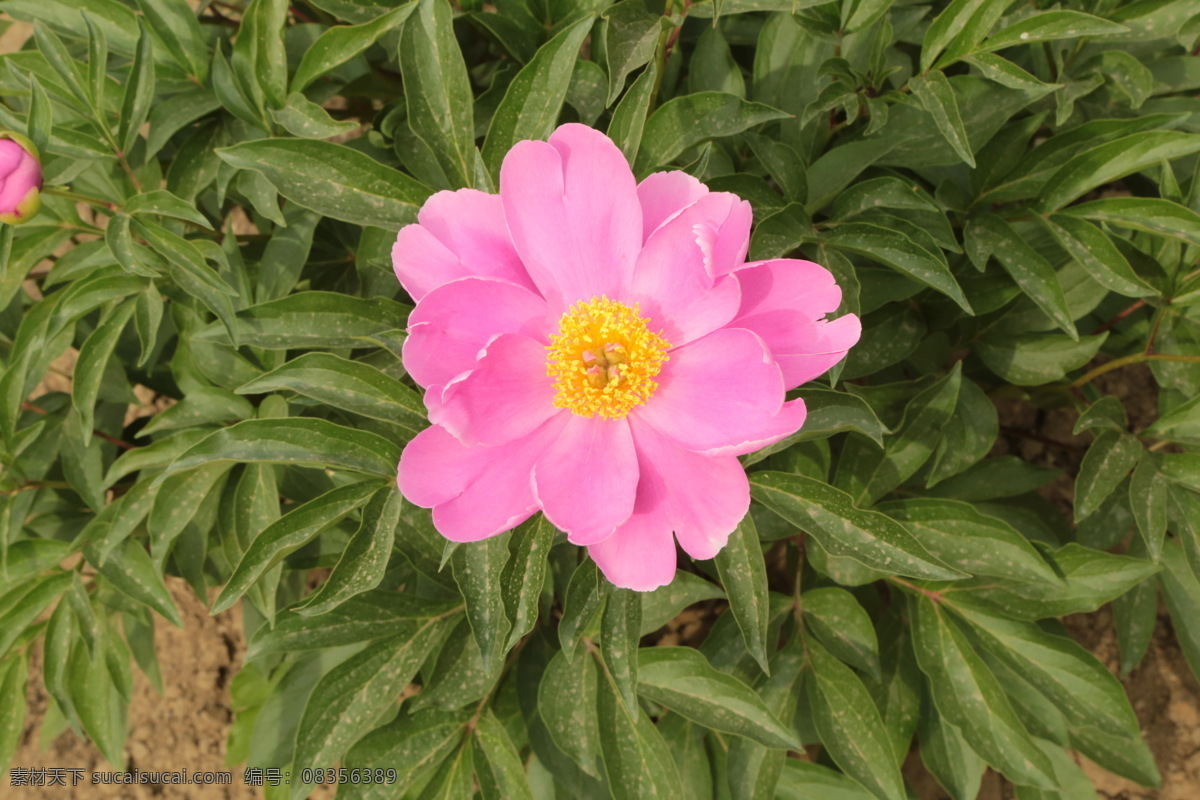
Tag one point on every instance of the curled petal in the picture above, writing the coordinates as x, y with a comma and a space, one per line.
784, 301
458, 234
571, 206
722, 395
663, 195
453, 323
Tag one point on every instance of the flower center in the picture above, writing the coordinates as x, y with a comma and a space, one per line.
604, 359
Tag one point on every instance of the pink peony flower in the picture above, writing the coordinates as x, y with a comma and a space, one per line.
20, 179
597, 349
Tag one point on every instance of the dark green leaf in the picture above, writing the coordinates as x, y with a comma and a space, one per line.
478, 570
693, 119
743, 573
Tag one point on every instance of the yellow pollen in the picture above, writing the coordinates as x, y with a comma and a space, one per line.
604, 359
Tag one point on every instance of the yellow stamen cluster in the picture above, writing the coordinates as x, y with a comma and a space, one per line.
604, 359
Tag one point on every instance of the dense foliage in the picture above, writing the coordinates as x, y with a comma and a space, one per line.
1008, 194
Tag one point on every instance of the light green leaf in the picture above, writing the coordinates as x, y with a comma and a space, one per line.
13, 675
139, 91
1108, 162
567, 703
1161, 217
1035, 359
1049, 26
620, 630
301, 117
94, 356
1110, 458
525, 575
1096, 253
315, 319
498, 766
1033, 273
630, 36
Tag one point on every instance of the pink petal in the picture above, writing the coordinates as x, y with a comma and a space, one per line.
701, 499
571, 205
25, 177
11, 154
506, 396
722, 395
587, 479
451, 324
640, 555
475, 492
673, 280
665, 194
704, 497
458, 234
784, 301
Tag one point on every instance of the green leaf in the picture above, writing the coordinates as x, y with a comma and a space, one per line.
315, 319
1049, 26
1036, 359
960, 535
29, 605
1092, 577
620, 630
94, 356
628, 121
102, 711
438, 91
179, 29
259, 60
841, 624
895, 250
947, 756
1181, 591
13, 675
498, 766
567, 703
162, 203
664, 604
289, 533
478, 570
1096, 253
850, 727
692, 119
332, 179
1033, 273
681, 679
1110, 458
804, 780
967, 436
350, 385
176, 503
412, 745
341, 43
586, 593
1006, 73
1108, 162
885, 192
299, 441
525, 575
630, 36
637, 762
743, 573
1070, 678
828, 514
353, 696
133, 574
1180, 424
366, 617
533, 100
300, 116
959, 27
937, 96
1161, 217
968, 696
364, 561
139, 91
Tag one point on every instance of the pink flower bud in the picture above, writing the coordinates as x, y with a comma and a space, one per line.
20, 179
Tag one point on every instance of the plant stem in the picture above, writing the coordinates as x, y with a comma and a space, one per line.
1136, 358
80, 198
